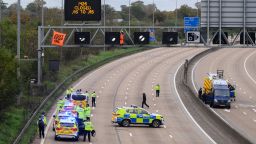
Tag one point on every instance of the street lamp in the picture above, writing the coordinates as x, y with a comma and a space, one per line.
129, 17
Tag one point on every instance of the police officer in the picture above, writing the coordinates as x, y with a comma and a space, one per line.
87, 111
41, 126
88, 128
80, 112
87, 96
93, 95
44, 118
144, 100
68, 93
60, 104
200, 93
157, 89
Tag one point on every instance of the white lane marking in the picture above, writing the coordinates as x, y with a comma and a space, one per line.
170, 136
175, 87
154, 104
98, 96
130, 134
254, 110
164, 126
127, 88
125, 103
250, 97
244, 113
227, 110
254, 120
246, 68
192, 77
157, 111
102, 87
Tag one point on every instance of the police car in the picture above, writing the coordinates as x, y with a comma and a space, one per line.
124, 116
63, 115
67, 128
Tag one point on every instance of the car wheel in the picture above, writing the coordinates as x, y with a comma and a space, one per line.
156, 123
125, 123
76, 138
56, 138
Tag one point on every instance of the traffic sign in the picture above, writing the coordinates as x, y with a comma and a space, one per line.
82, 10
191, 23
193, 37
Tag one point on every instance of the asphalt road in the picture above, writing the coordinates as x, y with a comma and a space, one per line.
239, 67
122, 82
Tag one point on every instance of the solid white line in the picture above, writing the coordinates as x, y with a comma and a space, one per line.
175, 87
192, 77
246, 68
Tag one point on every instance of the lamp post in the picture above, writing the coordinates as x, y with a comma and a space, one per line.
176, 19
129, 17
154, 13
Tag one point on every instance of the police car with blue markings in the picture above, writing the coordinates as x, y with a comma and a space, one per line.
124, 116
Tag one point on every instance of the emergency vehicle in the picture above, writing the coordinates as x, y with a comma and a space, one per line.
67, 128
216, 90
124, 116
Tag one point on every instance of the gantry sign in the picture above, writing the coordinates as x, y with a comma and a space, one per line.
82, 10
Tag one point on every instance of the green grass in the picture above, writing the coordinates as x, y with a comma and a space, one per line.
12, 120
14, 117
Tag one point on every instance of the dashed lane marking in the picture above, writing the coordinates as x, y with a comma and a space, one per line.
130, 134
154, 104
171, 136
226, 110
244, 113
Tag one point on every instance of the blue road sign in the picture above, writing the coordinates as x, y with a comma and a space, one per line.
191, 22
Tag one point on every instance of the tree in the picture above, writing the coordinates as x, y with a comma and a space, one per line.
137, 10
8, 79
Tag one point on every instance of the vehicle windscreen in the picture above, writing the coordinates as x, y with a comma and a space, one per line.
67, 124
222, 92
78, 97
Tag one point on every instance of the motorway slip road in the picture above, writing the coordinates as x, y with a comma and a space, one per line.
122, 82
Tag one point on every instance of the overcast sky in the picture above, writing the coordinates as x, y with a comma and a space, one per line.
161, 4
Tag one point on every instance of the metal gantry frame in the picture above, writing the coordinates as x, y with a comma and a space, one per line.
243, 30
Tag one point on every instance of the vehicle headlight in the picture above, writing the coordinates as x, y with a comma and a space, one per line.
215, 100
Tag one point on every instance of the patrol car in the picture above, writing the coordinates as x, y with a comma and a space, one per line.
124, 116
67, 128
63, 115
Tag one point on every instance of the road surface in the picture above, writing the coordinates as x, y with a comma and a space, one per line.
239, 67
122, 82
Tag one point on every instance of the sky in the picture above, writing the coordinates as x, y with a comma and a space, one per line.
161, 4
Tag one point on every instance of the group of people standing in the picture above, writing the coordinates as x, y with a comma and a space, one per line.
144, 96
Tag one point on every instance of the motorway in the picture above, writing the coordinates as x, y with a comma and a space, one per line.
121, 83
239, 67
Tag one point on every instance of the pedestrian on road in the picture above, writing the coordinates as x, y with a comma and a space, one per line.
88, 128
41, 126
157, 89
144, 100
93, 95
200, 93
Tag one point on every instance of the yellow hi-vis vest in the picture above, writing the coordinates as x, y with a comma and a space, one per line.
93, 95
88, 126
80, 112
157, 87
87, 112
